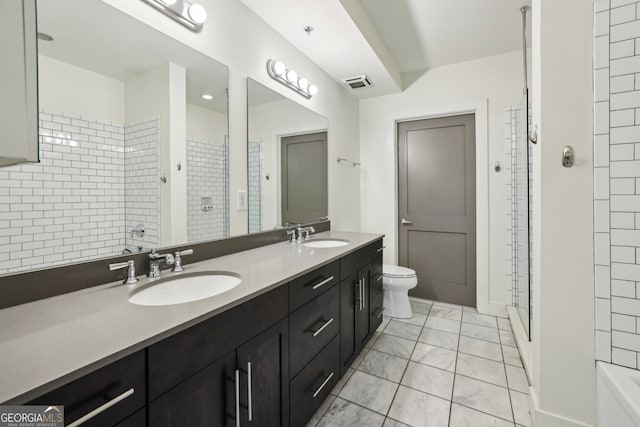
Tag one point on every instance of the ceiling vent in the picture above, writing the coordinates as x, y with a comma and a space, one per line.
358, 81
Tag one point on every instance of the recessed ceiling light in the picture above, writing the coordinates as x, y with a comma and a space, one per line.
207, 96
45, 37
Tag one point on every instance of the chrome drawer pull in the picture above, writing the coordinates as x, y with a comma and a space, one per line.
323, 384
379, 278
100, 409
324, 282
237, 398
380, 249
249, 391
380, 314
327, 323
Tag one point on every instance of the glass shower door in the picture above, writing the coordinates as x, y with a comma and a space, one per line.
522, 213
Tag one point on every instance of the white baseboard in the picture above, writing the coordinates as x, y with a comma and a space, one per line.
547, 419
522, 341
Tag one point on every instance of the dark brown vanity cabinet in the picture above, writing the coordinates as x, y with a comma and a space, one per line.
105, 397
314, 344
233, 365
360, 300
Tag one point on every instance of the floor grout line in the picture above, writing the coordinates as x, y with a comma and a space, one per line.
370, 347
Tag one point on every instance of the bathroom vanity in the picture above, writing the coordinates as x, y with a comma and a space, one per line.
267, 352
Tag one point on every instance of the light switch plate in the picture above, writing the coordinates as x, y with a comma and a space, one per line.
241, 200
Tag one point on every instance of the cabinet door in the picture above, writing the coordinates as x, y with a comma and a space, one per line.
349, 291
206, 399
363, 315
263, 364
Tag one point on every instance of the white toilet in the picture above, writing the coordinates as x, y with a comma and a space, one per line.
396, 282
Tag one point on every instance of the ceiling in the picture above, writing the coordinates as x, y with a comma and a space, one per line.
394, 41
92, 44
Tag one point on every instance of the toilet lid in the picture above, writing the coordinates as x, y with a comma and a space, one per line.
397, 271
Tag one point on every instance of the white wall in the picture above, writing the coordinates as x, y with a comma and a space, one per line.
497, 79
238, 38
563, 389
206, 125
65, 88
269, 123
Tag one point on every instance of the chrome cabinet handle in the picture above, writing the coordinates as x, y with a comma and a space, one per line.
380, 249
406, 222
249, 391
380, 314
323, 384
359, 294
237, 398
324, 282
364, 293
324, 325
379, 278
100, 409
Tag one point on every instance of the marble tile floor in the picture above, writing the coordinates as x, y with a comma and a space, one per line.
447, 366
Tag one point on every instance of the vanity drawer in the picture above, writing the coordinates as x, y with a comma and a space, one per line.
314, 383
377, 310
360, 258
312, 284
312, 326
376, 277
111, 393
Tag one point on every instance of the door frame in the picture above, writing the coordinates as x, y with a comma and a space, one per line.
480, 109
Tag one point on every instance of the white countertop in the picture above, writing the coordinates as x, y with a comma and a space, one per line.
47, 343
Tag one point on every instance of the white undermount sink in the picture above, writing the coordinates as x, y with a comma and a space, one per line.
325, 243
185, 288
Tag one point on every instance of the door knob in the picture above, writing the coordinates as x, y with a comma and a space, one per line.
405, 222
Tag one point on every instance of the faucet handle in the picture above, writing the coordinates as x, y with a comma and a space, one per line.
131, 272
292, 235
177, 267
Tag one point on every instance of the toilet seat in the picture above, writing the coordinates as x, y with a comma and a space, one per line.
389, 270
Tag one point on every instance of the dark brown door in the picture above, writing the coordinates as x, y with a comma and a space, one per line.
436, 206
304, 178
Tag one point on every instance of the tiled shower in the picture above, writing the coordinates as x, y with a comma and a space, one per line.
617, 181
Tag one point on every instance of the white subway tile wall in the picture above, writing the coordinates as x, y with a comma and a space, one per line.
142, 183
256, 175
617, 181
207, 176
69, 207
516, 266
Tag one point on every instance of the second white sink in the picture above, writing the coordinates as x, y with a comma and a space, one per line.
325, 243
185, 288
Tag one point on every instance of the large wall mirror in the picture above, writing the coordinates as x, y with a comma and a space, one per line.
287, 161
132, 154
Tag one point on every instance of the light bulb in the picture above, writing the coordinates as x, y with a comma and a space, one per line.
279, 68
197, 13
303, 83
292, 76
313, 89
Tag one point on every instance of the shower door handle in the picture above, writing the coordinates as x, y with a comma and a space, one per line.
406, 222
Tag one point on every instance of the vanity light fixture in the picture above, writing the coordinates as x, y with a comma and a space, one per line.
278, 71
191, 15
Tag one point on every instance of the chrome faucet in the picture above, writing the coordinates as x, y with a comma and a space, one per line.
178, 260
292, 235
304, 232
156, 259
131, 271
